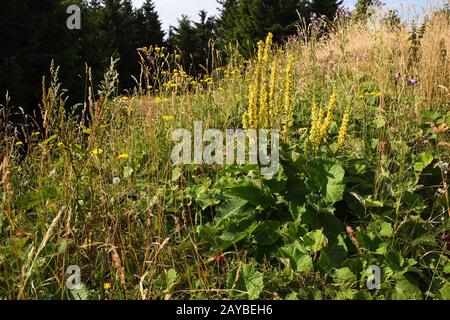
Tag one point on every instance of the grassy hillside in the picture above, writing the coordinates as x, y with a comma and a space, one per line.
363, 179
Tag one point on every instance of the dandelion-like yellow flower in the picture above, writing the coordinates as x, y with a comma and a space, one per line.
97, 152
107, 286
168, 118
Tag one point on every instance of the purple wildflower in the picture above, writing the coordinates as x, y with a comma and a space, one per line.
343, 13
411, 81
316, 21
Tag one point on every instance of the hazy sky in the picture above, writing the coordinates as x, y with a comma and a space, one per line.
171, 10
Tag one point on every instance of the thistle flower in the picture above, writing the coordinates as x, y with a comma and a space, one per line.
411, 81
343, 130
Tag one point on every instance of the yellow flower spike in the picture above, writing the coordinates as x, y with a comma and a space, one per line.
273, 112
317, 136
245, 121
264, 94
330, 109
268, 47
123, 156
314, 115
252, 108
287, 97
343, 130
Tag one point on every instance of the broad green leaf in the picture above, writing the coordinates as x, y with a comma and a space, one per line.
344, 277
254, 281
127, 172
423, 160
315, 240
171, 279
80, 294
267, 233
326, 183
395, 261
292, 296
333, 256
405, 290
297, 257
379, 123
248, 191
445, 292
386, 230
176, 173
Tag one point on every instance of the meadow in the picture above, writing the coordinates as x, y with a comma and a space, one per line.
363, 180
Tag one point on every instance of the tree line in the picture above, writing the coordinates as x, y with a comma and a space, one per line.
33, 33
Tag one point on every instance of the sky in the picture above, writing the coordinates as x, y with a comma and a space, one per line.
171, 10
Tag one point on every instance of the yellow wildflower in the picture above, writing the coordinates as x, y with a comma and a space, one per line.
97, 151
123, 156
272, 103
343, 130
287, 97
107, 286
330, 109
168, 118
